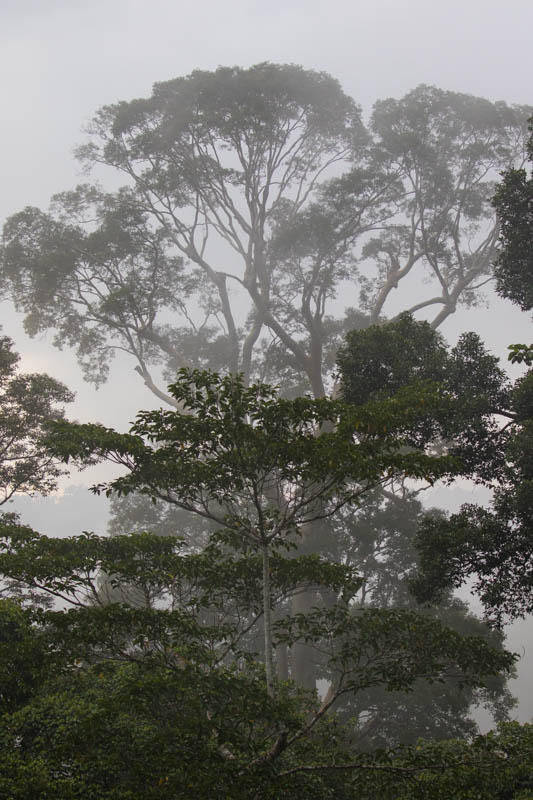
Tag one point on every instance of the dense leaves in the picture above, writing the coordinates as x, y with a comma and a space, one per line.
495, 545
236, 450
380, 361
27, 404
157, 661
514, 203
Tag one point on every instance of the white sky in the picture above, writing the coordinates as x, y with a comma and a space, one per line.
61, 59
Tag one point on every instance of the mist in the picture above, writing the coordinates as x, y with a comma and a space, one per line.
65, 61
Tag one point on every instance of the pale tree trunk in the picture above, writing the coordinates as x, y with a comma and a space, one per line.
267, 621
302, 655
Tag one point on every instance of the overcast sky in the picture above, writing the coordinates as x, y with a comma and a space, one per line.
61, 59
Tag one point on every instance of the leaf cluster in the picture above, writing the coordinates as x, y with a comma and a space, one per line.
473, 390
28, 403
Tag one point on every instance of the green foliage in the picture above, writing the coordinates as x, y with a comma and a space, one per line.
521, 353
23, 656
237, 450
166, 682
125, 732
27, 404
493, 767
112, 698
494, 545
378, 362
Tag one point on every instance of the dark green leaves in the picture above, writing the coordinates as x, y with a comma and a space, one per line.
257, 464
458, 391
514, 203
28, 403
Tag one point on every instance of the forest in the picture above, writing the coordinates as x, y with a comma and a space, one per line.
273, 610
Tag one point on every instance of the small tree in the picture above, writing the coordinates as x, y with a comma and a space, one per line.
258, 466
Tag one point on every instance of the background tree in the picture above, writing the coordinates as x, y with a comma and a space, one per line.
378, 542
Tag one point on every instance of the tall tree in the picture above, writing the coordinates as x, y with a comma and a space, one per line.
261, 468
252, 197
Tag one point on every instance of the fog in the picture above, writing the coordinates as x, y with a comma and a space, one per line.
61, 60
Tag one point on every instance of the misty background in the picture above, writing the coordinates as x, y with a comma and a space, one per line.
62, 59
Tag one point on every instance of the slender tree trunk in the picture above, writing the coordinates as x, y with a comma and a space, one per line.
267, 621
302, 661
303, 656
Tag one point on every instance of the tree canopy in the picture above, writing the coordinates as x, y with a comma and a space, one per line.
382, 360
494, 545
514, 203
174, 674
251, 199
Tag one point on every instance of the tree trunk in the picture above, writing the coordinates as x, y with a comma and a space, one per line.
302, 655
267, 622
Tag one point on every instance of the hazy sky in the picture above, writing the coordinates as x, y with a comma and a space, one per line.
61, 59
